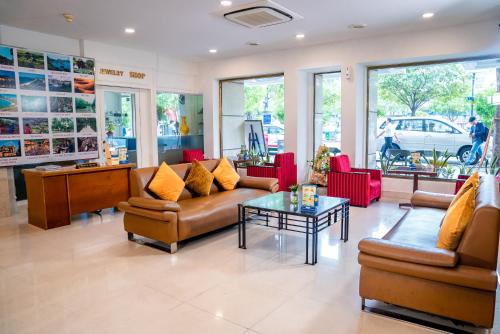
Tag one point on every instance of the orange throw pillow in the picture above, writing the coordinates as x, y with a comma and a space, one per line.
199, 179
472, 181
456, 220
166, 183
226, 175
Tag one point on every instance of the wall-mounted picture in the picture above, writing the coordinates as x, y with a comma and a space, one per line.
7, 79
57, 62
30, 59
35, 126
85, 104
83, 65
10, 148
60, 83
62, 104
87, 144
86, 125
8, 102
33, 103
9, 126
31, 81
63, 125
84, 85
63, 145
36, 147
6, 56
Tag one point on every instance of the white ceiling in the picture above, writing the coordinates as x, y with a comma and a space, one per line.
188, 28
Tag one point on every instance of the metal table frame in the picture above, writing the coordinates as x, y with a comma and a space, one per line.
310, 224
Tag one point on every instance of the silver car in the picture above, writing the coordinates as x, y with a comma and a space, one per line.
428, 132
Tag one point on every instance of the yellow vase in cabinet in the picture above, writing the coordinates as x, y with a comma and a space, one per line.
184, 128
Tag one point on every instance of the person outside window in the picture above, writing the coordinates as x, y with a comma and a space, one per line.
478, 134
388, 132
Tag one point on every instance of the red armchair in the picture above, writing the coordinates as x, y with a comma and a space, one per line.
361, 186
189, 156
284, 169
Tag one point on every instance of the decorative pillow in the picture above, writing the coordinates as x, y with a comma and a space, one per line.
472, 181
456, 219
166, 183
226, 175
199, 179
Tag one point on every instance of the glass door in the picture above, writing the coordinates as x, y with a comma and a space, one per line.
120, 120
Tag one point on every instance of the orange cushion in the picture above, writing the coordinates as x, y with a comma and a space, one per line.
199, 179
166, 183
226, 175
456, 220
472, 181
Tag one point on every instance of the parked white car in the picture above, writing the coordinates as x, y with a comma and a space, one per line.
428, 132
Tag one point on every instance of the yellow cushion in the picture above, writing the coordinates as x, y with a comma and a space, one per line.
226, 175
167, 184
456, 219
199, 179
472, 181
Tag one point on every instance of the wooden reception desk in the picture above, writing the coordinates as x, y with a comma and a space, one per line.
53, 196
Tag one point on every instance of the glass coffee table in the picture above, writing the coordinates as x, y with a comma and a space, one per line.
291, 218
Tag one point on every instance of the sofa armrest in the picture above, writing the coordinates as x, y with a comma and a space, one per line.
165, 216
431, 200
264, 183
408, 253
154, 204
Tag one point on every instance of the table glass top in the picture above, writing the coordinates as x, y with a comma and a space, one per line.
280, 202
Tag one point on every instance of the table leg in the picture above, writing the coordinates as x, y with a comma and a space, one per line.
243, 229
329, 219
415, 182
342, 222
307, 240
315, 231
239, 225
346, 219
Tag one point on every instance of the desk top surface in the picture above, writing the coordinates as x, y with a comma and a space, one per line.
72, 170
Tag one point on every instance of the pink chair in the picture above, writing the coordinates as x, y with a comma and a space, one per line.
361, 186
284, 169
189, 156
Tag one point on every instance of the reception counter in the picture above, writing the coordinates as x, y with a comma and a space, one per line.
53, 196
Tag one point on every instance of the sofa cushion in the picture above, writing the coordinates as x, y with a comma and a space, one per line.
204, 214
419, 227
166, 184
226, 175
456, 219
199, 179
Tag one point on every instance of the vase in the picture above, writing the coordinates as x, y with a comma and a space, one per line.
294, 198
184, 128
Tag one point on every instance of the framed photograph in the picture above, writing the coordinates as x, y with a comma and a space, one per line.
9, 126
36, 147
6, 55
30, 59
62, 125
10, 148
33, 103
7, 79
83, 65
61, 104
31, 81
60, 83
57, 62
84, 85
85, 104
63, 145
35, 126
254, 137
87, 144
86, 125
8, 102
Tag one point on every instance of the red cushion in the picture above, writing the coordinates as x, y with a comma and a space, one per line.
340, 164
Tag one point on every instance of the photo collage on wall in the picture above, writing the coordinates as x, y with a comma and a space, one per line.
47, 107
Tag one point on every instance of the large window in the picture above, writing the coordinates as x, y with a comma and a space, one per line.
327, 114
429, 106
179, 125
258, 99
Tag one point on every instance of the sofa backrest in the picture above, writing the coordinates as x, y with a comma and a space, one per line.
141, 177
479, 244
340, 164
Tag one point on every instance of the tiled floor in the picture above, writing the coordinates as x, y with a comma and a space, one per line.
88, 278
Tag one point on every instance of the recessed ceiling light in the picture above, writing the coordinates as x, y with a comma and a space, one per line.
253, 43
226, 3
212, 50
427, 15
300, 36
357, 26
129, 30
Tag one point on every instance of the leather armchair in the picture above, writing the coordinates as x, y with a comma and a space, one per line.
360, 185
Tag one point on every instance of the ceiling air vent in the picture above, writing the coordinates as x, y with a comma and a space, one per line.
261, 14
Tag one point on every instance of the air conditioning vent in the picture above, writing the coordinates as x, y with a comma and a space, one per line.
261, 14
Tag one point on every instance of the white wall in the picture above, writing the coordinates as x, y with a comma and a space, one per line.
298, 64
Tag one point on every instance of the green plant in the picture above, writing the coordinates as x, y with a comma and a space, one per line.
448, 172
386, 164
492, 167
438, 160
294, 188
464, 170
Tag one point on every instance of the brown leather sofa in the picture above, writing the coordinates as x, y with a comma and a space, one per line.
405, 268
192, 215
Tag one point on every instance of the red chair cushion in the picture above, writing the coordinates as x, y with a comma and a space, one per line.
340, 164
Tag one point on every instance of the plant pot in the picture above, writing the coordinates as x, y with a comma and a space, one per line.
294, 198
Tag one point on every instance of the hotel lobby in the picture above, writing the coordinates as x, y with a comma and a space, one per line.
249, 166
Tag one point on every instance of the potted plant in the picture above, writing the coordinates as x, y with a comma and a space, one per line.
294, 194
